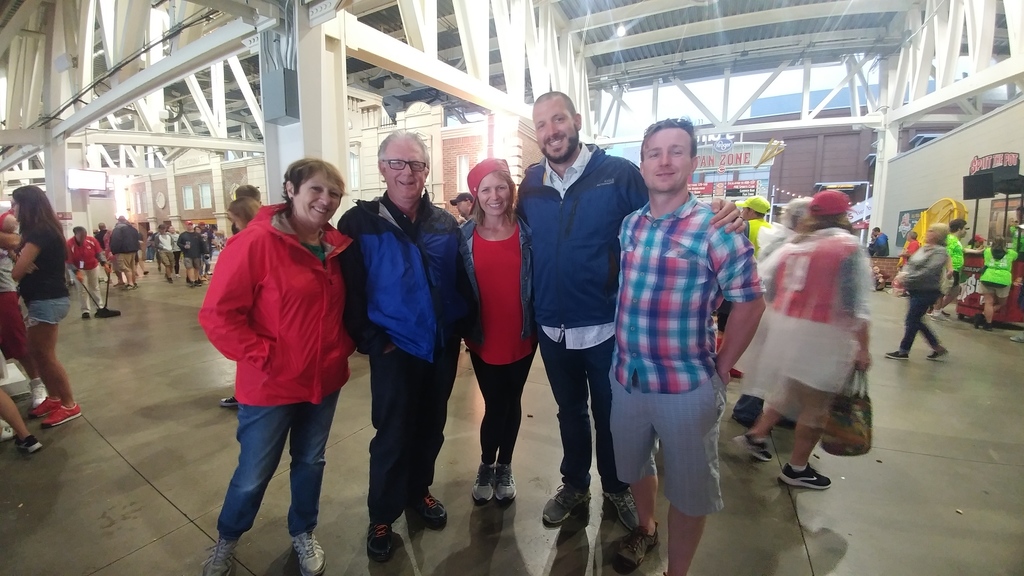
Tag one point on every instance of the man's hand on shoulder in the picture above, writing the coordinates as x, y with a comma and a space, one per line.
727, 215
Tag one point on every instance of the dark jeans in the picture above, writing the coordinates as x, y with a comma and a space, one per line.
262, 431
919, 304
409, 411
502, 389
575, 376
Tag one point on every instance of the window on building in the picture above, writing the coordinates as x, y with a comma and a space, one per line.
463, 173
715, 177
188, 200
353, 170
756, 175
205, 196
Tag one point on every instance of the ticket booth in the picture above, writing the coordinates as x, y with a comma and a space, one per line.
996, 176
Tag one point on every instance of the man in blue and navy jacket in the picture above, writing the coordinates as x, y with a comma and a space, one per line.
407, 295
575, 202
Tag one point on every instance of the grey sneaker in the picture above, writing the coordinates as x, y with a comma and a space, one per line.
505, 483
567, 500
758, 449
311, 555
1019, 338
625, 507
219, 563
483, 489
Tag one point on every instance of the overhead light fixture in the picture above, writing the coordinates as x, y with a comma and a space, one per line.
620, 31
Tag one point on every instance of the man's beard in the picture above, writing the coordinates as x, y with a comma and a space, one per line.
574, 144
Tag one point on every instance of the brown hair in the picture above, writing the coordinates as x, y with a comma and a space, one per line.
244, 209
477, 213
814, 222
35, 214
247, 191
302, 170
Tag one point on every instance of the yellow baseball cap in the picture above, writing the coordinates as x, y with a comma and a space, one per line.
756, 203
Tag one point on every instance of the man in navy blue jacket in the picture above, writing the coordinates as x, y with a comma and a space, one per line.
405, 292
575, 202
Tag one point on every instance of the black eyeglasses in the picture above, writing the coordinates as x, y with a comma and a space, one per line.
414, 165
683, 123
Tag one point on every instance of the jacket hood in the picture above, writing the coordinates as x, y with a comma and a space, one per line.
272, 218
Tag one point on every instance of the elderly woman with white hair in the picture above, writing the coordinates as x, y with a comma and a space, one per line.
770, 238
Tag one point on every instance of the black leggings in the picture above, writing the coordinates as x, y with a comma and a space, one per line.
177, 262
502, 389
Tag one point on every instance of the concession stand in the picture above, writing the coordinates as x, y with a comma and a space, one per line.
992, 176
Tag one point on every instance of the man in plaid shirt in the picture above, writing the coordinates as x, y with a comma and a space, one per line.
675, 269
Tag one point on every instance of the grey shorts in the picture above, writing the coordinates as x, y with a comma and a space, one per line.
193, 263
687, 427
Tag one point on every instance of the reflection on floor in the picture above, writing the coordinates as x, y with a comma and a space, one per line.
134, 487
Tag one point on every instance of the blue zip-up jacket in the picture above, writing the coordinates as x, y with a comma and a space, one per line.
576, 239
408, 291
475, 333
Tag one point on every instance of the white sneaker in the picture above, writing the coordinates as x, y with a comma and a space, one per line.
38, 394
311, 556
6, 432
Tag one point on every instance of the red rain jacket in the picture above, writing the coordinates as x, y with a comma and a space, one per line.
273, 308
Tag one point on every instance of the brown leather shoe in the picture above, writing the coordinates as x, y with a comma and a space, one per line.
634, 547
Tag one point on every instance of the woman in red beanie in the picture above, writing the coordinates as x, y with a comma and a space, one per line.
502, 342
275, 307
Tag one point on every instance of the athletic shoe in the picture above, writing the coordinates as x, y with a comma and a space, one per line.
483, 488
625, 507
938, 355
808, 478
85, 316
38, 393
987, 326
944, 313
62, 415
898, 355
567, 500
311, 555
378, 542
6, 432
431, 511
229, 402
45, 407
28, 445
1019, 338
219, 563
734, 373
505, 483
177, 275
937, 316
634, 547
758, 448
979, 319
170, 280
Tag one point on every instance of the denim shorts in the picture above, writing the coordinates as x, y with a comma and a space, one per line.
48, 311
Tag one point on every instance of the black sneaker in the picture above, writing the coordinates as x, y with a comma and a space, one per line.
28, 445
898, 355
758, 449
938, 355
809, 478
170, 280
431, 511
987, 326
85, 316
229, 402
378, 542
979, 319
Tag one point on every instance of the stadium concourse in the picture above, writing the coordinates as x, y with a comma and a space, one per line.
134, 486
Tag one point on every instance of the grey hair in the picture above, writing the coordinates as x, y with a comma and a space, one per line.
403, 135
795, 211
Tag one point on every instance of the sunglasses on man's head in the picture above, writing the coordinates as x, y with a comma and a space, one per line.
683, 123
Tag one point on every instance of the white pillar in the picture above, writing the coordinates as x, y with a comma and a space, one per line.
172, 200
220, 210
888, 147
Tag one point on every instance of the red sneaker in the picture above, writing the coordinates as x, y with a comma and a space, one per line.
48, 405
61, 415
734, 373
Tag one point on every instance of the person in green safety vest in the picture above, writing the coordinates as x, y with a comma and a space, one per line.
753, 210
995, 281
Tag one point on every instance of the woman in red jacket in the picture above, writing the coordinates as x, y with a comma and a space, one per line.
275, 308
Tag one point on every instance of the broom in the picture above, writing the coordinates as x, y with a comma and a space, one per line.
102, 312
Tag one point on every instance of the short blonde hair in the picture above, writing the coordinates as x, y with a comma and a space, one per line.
940, 228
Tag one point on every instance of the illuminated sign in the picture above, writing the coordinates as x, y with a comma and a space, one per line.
725, 155
992, 161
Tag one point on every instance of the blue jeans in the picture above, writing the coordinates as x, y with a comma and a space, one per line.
575, 376
262, 431
919, 304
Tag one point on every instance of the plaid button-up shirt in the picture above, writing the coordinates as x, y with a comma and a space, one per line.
674, 272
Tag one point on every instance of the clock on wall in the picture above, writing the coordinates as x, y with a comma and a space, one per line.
161, 200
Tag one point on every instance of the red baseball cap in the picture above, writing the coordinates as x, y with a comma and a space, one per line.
829, 203
482, 169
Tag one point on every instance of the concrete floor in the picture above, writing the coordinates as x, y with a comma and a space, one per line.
135, 485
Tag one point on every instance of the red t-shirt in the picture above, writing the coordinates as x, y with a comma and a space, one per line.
498, 264
912, 246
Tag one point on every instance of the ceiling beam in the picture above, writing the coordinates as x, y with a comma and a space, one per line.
631, 12
168, 140
1009, 70
17, 22
754, 19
